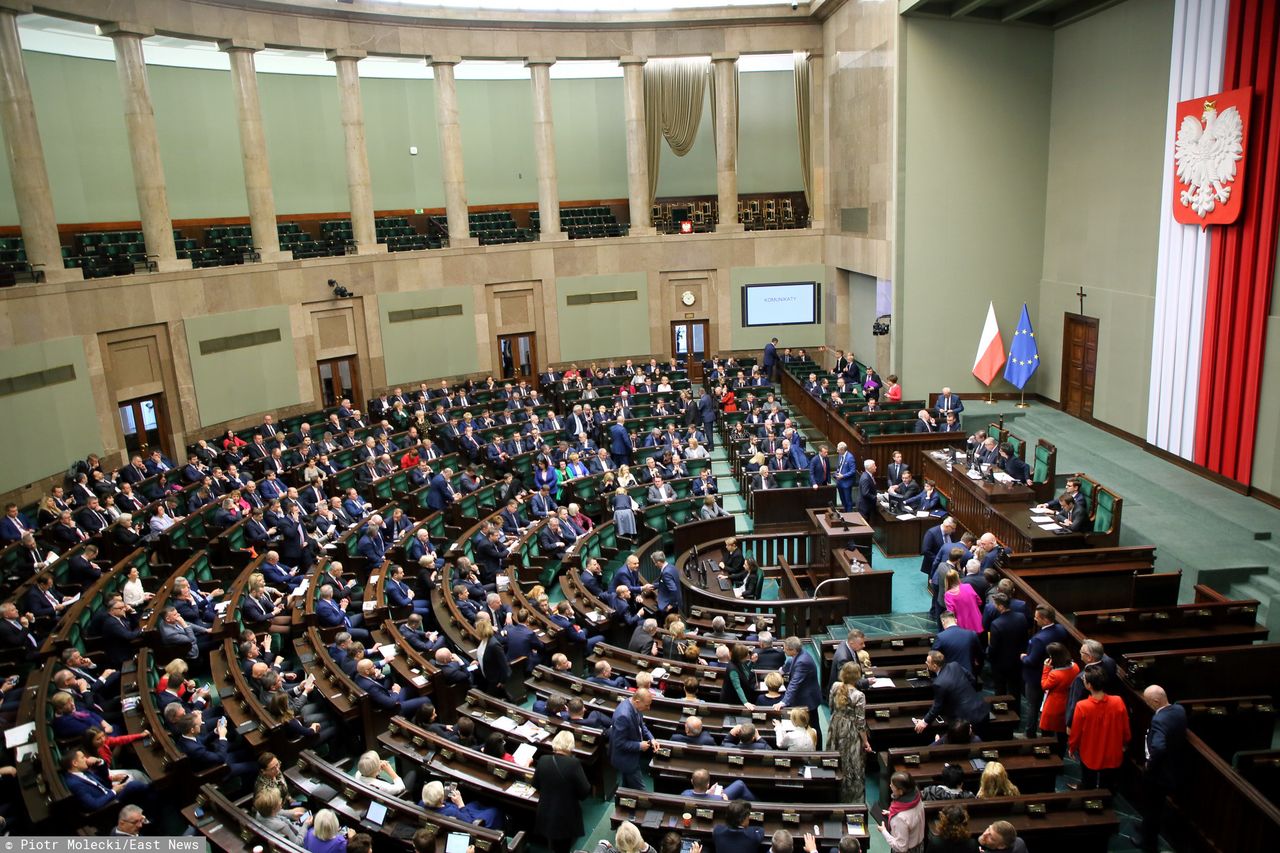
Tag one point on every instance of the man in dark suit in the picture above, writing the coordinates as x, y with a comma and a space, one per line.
394, 700
523, 642
820, 467
1007, 640
1046, 631
867, 491
925, 422
852, 650
936, 540
958, 645
117, 635
846, 475
620, 443
948, 402
212, 753
1091, 651
734, 835
1166, 743
552, 540
707, 414
770, 359
670, 595
803, 689
440, 493
955, 695
630, 738
12, 525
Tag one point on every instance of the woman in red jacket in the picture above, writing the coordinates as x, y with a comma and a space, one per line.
98, 744
1059, 671
1099, 731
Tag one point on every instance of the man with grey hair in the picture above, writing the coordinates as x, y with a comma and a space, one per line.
174, 631
693, 733
718, 631
803, 690
1091, 651
767, 657
782, 842
130, 822
867, 491
645, 638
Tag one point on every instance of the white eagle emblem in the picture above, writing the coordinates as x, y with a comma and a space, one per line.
1206, 157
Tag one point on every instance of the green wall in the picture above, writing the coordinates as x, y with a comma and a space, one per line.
78, 107
975, 121
273, 368
434, 346
862, 313
591, 157
607, 329
47, 428
1102, 209
788, 336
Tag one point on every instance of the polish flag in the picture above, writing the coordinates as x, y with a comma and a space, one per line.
990, 356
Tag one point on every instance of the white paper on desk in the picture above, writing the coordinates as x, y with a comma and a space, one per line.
532, 731
1002, 477
524, 754
368, 605
25, 751
504, 583
906, 516
660, 672
388, 651
504, 723
1051, 526
521, 789
373, 579
419, 681
19, 735
882, 682
302, 588
1041, 516
920, 513
220, 607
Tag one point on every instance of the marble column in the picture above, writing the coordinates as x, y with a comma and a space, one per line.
450, 134
637, 146
544, 146
27, 169
144, 144
817, 141
359, 185
723, 66
253, 150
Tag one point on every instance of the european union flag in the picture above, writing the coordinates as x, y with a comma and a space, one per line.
1024, 357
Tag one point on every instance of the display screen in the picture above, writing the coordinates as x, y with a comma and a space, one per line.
788, 304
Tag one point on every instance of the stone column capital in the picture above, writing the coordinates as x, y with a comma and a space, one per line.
632, 60
15, 7
724, 57
531, 61
125, 28
443, 60
353, 53
228, 45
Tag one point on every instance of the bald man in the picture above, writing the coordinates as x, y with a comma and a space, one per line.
1166, 743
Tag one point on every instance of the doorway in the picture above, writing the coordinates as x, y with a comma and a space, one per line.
518, 356
1079, 362
339, 379
143, 422
689, 344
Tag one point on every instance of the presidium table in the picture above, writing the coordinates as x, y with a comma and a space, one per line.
1003, 509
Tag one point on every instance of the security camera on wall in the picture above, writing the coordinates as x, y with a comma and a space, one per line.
794, 5
881, 325
339, 291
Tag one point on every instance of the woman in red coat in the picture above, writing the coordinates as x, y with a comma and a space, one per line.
1059, 671
728, 402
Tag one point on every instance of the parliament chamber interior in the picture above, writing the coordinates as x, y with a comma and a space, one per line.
534, 426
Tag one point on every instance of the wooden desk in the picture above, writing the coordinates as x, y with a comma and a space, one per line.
1071, 822
848, 531
901, 537
1033, 765
891, 725
1000, 508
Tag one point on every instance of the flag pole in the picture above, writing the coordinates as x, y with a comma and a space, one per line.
1022, 401
990, 399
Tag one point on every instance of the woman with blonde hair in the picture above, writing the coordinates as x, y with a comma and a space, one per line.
628, 840
562, 786
624, 510
849, 733
772, 689
267, 804
494, 669
995, 782
801, 737
326, 835
625, 478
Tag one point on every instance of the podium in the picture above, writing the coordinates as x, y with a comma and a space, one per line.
840, 544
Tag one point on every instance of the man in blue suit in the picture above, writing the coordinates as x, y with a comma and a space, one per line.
771, 359
707, 414
13, 525
670, 596
802, 683
399, 594
846, 475
936, 539
440, 493
703, 790
89, 789
393, 701
948, 402
1007, 640
620, 444
734, 835
867, 491
630, 738
329, 614
523, 642
958, 645
1166, 742
820, 467
371, 545
1046, 631
955, 695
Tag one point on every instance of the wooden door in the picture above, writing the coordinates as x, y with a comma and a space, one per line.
689, 345
1079, 362
518, 356
143, 423
339, 380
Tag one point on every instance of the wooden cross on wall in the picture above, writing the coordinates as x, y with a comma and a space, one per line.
1081, 294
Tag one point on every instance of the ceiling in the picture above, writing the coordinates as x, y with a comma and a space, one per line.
1032, 13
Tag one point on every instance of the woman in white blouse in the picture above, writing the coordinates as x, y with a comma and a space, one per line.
132, 590
371, 769
799, 738
625, 478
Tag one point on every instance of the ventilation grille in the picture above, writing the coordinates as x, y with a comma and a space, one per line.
611, 296
37, 380
854, 220
410, 314
248, 339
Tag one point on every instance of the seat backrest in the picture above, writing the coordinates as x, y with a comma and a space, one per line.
1103, 514
1040, 465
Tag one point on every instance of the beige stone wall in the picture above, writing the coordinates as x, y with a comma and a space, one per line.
103, 311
